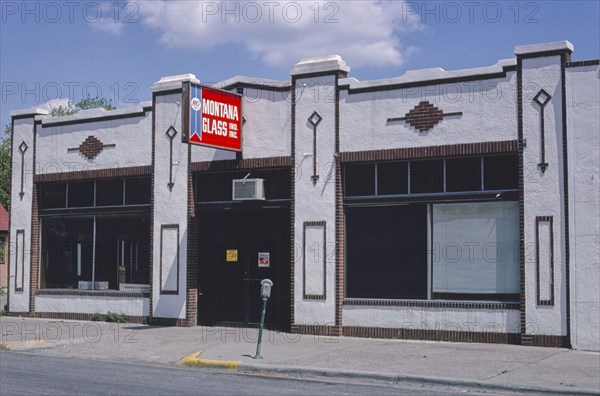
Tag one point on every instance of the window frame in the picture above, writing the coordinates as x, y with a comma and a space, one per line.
481, 191
93, 211
481, 195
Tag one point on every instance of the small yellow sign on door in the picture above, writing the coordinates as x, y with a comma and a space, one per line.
232, 255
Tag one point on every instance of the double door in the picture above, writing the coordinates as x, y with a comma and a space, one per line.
238, 249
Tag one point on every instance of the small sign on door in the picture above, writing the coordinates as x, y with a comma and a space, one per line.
264, 259
232, 255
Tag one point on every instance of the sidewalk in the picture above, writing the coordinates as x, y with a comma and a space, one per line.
486, 366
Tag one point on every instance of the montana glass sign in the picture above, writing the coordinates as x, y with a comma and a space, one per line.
215, 118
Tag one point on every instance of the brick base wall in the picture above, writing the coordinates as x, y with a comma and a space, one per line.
434, 335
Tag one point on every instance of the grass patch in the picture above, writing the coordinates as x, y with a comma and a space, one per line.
97, 317
115, 317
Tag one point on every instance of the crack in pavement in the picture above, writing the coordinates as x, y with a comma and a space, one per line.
524, 365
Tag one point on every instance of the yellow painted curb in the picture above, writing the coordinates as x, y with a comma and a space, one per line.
194, 360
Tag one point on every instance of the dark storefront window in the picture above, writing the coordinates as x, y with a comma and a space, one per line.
463, 174
430, 177
392, 178
84, 244
433, 229
360, 180
427, 176
501, 172
67, 251
386, 249
53, 195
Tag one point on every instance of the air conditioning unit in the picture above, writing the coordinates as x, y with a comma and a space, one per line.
248, 189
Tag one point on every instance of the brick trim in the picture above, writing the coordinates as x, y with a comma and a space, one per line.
17, 314
90, 293
192, 262
551, 341
108, 117
88, 317
424, 116
564, 60
441, 81
242, 85
591, 62
91, 147
428, 335
178, 322
152, 181
185, 114
35, 231
544, 54
143, 170
21, 258
538, 220
168, 92
432, 304
250, 163
81, 316
323, 330
306, 296
162, 228
34, 260
451, 150
8, 237
293, 203
431, 335
326, 73
523, 297
340, 233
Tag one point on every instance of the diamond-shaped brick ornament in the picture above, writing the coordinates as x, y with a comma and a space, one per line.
424, 116
171, 132
23, 147
315, 118
542, 98
91, 147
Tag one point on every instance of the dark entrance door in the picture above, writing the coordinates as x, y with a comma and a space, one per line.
239, 246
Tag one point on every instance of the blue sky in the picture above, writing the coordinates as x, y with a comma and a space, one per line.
118, 49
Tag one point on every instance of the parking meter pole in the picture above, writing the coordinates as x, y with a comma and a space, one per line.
265, 293
260, 329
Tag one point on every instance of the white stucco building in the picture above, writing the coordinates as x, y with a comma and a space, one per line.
445, 205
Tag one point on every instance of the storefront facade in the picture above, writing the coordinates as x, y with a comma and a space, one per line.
443, 205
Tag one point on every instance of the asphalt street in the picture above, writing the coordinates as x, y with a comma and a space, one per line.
24, 373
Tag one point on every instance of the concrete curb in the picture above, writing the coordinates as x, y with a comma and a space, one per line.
265, 369
257, 368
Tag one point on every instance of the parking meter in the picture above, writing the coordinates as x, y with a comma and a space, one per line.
265, 288
265, 293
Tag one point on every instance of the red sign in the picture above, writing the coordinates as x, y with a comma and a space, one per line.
215, 118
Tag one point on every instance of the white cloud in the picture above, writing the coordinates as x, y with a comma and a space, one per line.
364, 33
106, 17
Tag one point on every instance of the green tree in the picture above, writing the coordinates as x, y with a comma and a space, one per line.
83, 104
5, 156
63, 110
93, 103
